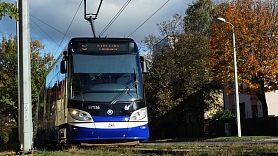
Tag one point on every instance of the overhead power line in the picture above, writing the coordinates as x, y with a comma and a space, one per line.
149, 18
115, 17
39, 36
69, 26
48, 25
43, 31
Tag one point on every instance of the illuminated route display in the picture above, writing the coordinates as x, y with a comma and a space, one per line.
102, 47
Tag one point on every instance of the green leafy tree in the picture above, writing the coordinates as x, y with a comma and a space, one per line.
8, 73
8, 8
179, 69
159, 88
199, 15
8, 78
197, 25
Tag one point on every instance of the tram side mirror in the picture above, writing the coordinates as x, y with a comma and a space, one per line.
143, 64
63, 65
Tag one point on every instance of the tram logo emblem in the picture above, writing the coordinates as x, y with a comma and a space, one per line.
109, 111
111, 125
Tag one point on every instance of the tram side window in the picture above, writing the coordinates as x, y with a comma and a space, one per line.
48, 100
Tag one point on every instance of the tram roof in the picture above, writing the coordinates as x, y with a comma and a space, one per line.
101, 39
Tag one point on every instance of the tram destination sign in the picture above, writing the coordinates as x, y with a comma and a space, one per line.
97, 47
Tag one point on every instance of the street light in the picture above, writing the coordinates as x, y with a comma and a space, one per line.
236, 82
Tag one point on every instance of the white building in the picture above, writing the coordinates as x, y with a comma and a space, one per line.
250, 106
272, 103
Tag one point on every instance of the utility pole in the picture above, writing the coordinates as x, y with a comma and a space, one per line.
18, 84
24, 78
236, 78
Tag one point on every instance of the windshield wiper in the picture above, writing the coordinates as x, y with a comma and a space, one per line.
121, 94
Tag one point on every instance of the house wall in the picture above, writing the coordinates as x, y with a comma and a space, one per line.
244, 99
251, 102
217, 105
260, 109
272, 102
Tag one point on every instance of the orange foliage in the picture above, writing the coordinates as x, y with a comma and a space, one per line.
255, 24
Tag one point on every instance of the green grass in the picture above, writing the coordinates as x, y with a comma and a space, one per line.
242, 138
232, 138
192, 149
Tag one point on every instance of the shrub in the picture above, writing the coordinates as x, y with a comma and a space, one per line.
4, 137
222, 114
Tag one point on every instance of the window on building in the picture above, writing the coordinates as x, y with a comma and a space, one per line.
254, 111
242, 109
233, 112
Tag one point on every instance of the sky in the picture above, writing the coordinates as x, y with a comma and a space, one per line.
54, 22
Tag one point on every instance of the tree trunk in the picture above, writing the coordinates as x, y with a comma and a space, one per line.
261, 97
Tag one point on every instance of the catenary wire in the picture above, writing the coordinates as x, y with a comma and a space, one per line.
148, 18
115, 17
69, 27
48, 25
43, 31
39, 35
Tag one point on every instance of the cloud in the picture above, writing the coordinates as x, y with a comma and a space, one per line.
48, 16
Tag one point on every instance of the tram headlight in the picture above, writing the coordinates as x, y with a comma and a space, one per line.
80, 115
139, 114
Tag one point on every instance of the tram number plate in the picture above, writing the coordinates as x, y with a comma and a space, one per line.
93, 107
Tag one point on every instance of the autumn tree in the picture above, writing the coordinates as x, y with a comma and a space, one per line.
255, 24
40, 61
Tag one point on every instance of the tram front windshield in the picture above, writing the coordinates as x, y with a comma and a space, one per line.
101, 78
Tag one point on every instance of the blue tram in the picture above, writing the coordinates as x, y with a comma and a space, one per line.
94, 93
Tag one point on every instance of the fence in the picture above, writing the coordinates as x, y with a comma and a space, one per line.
217, 128
228, 127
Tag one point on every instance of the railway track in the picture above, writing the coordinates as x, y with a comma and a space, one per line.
169, 149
